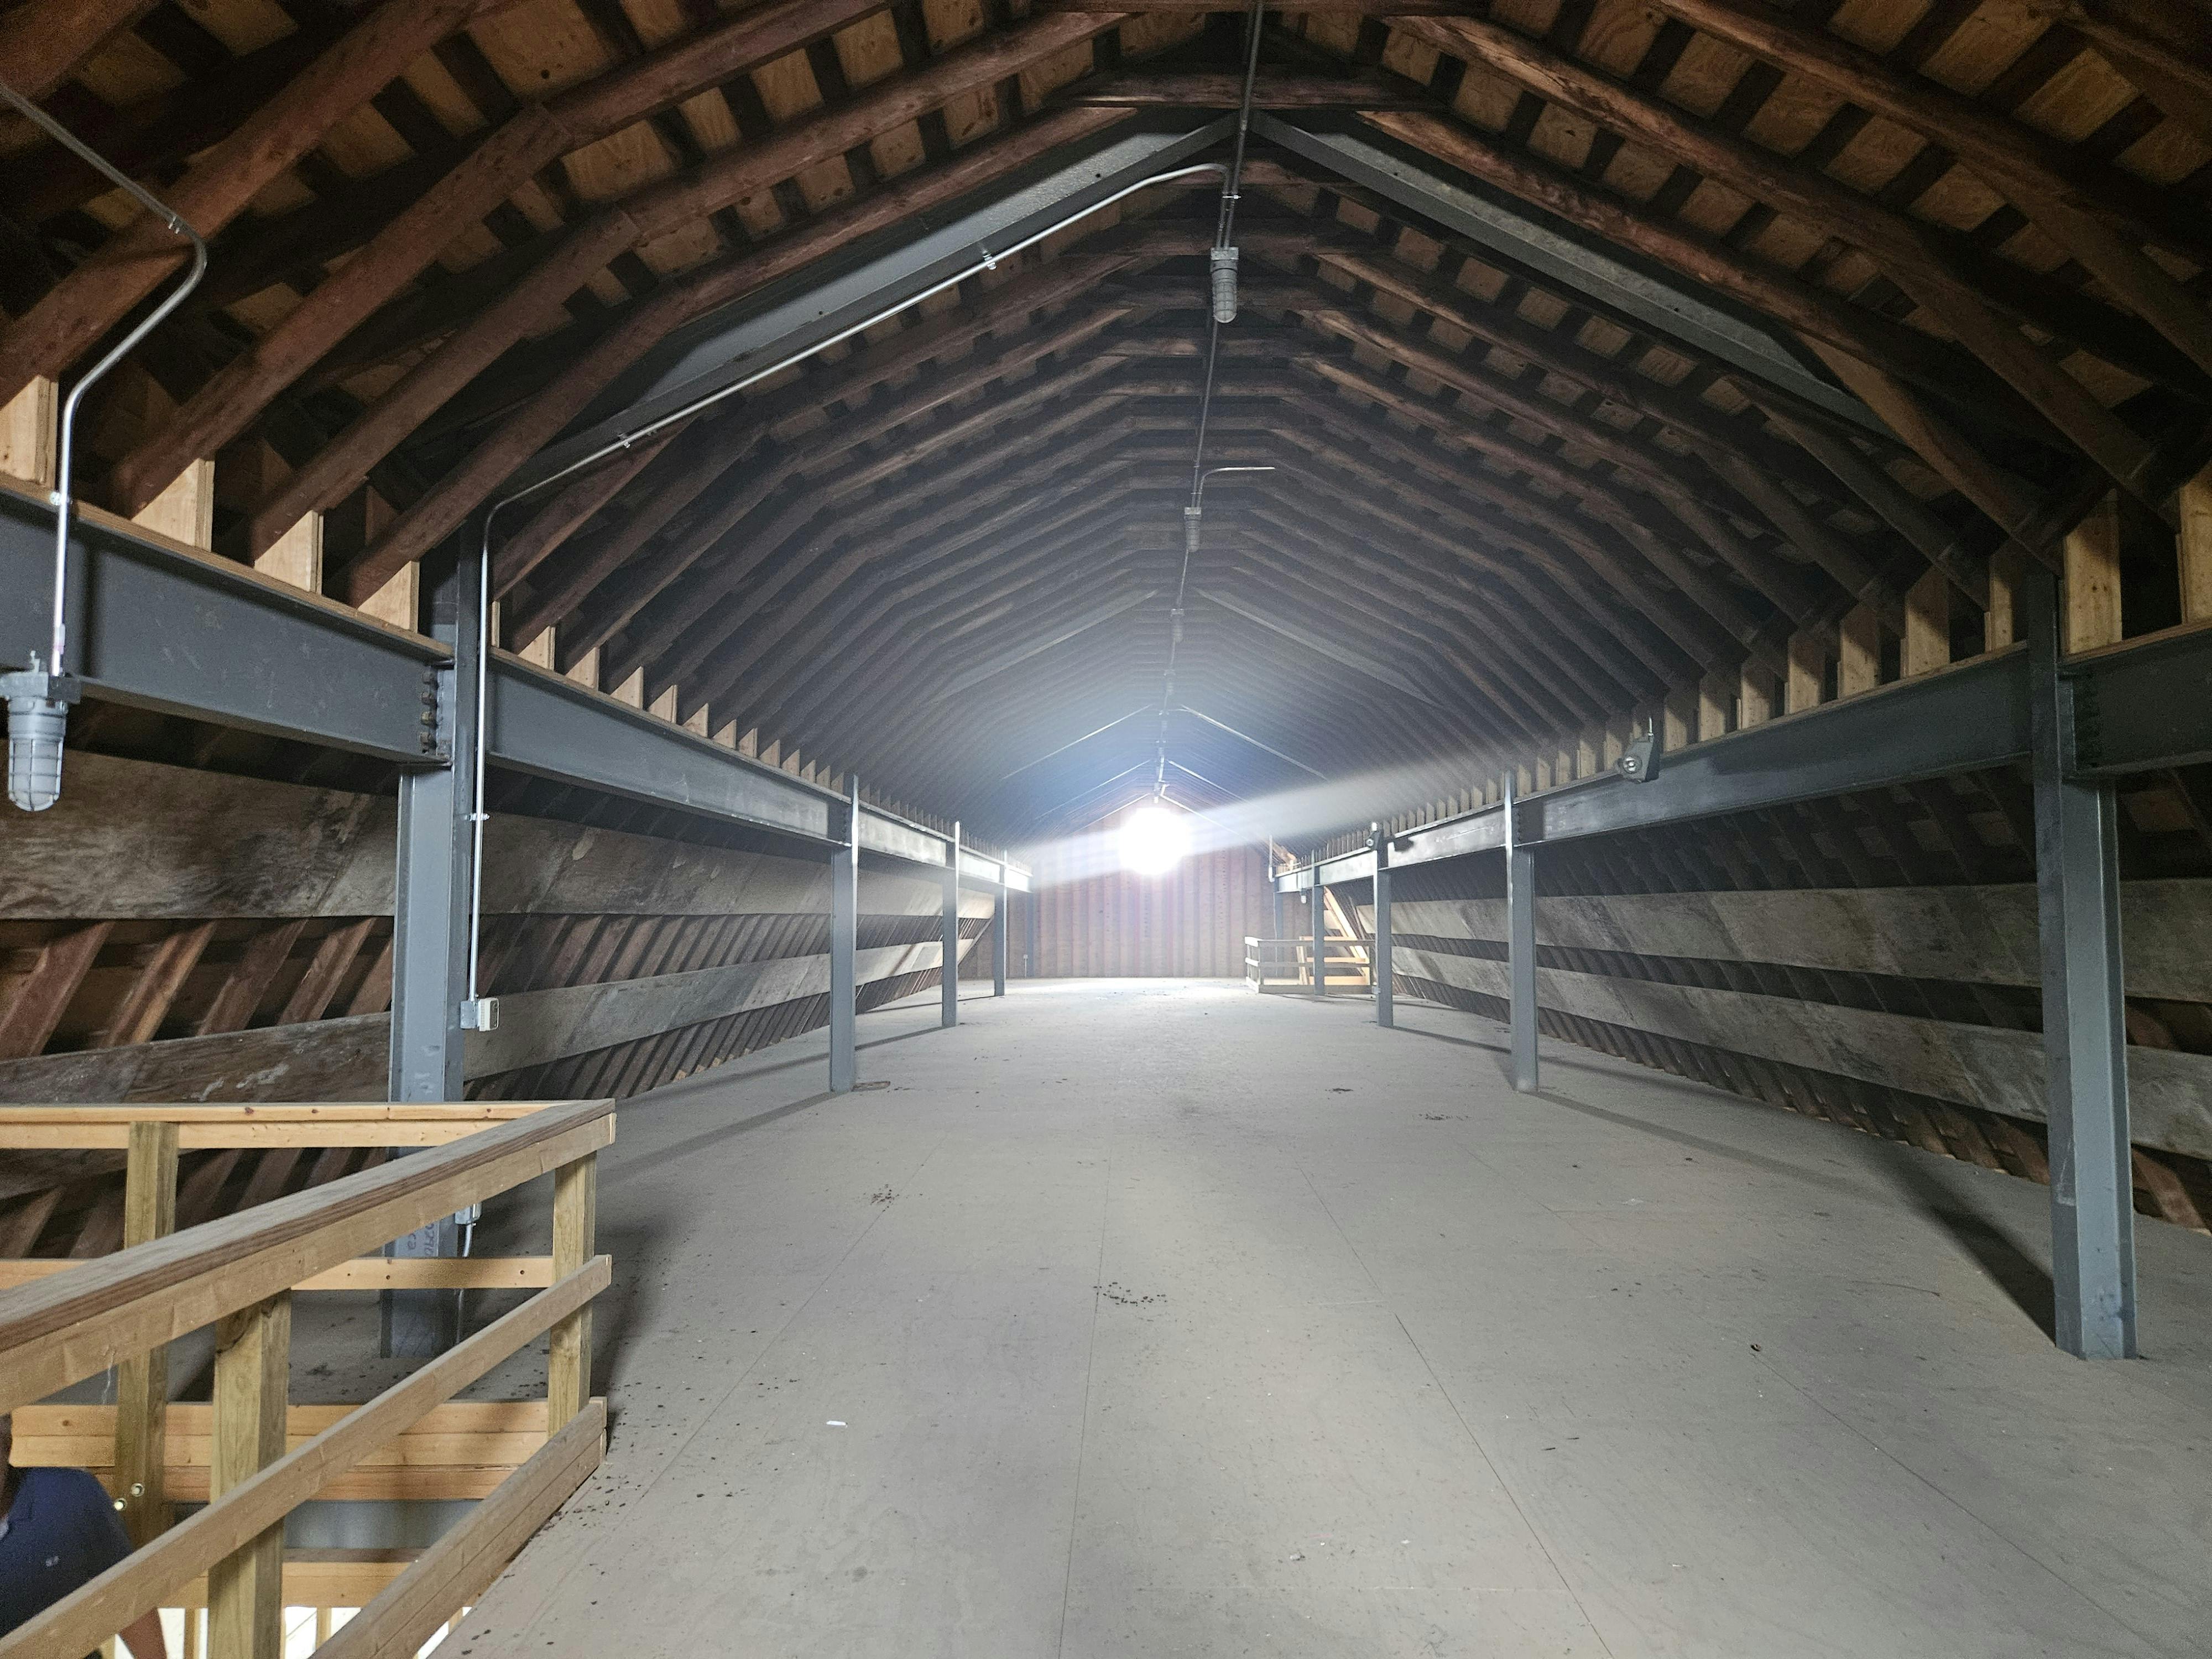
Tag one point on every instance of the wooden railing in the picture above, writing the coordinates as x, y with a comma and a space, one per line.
1273, 964
62, 1321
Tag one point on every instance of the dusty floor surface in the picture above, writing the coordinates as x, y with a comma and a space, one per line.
1149, 1318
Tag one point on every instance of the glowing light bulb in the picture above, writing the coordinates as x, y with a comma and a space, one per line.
1154, 840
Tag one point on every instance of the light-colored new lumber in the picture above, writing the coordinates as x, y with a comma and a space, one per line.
56, 1331
81, 1621
142, 1382
252, 1371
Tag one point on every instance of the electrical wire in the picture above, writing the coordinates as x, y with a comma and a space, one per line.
1224, 228
38, 699
481, 737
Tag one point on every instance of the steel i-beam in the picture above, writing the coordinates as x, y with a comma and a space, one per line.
1521, 946
1319, 933
844, 949
999, 943
431, 948
949, 975
1385, 1013
2092, 1245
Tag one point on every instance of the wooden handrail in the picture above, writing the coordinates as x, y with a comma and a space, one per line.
363, 1273
81, 1621
58, 1330
60, 1127
237, 1274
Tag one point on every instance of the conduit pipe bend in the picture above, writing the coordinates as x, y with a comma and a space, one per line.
38, 697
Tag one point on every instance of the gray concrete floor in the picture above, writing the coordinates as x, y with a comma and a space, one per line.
1147, 1318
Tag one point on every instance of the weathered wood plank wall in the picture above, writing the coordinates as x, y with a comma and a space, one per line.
1872, 960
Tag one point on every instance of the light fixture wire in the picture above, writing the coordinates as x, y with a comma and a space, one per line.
990, 259
1222, 252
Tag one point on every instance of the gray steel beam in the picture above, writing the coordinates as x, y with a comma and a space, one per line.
1520, 947
158, 627
1385, 1008
550, 727
894, 837
1965, 718
1579, 263
2142, 706
430, 950
949, 973
1320, 938
844, 950
2093, 1253
998, 944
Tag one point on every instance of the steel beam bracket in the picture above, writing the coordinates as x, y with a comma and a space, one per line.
1640, 758
436, 719
2084, 739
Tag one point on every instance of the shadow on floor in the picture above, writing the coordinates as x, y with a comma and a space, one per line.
1553, 1061
1717, 1148
624, 1305
717, 1075
699, 1143
1919, 1178
2022, 1277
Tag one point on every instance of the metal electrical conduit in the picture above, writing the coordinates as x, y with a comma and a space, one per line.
38, 697
473, 1009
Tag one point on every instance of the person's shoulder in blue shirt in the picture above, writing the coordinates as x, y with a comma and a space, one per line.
60, 1533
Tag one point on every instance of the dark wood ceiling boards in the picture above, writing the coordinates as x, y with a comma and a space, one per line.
1507, 512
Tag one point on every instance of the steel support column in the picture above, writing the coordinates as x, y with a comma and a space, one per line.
1029, 926
2093, 1250
999, 943
844, 950
1319, 933
430, 946
1521, 947
949, 975
1385, 1013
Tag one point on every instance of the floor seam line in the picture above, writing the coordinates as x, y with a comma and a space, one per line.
1083, 1423
1475, 1440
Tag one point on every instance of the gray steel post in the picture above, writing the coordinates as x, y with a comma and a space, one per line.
949, 974
1385, 1013
1521, 947
1029, 926
1320, 931
2092, 1245
844, 949
999, 942
430, 944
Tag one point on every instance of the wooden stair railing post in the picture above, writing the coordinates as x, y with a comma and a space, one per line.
252, 1367
141, 1382
575, 1235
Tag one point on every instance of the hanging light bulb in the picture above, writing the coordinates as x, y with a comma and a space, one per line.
1155, 838
1222, 267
